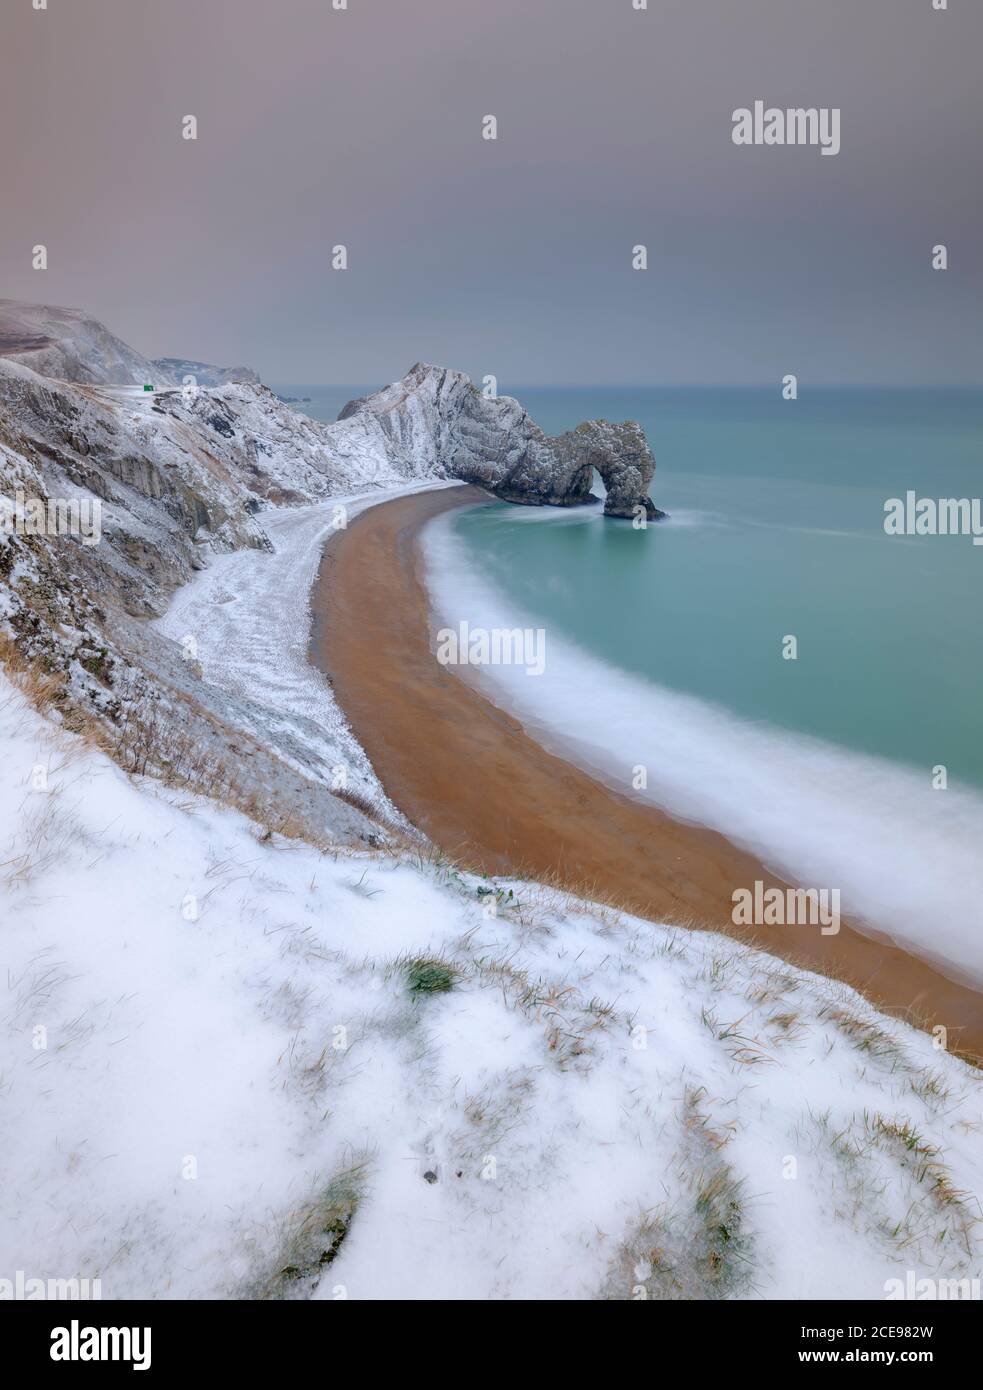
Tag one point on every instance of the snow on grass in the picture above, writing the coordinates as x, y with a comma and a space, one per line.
250, 616
235, 1066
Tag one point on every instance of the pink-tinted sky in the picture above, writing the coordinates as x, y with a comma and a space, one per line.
363, 127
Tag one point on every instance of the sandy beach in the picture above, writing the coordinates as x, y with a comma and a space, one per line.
466, 773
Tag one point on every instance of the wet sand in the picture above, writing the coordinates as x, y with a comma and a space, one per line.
468, 775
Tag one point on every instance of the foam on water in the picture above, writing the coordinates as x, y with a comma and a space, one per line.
908, 860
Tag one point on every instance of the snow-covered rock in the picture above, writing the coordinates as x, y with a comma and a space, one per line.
72, 346
437, 419
180, 478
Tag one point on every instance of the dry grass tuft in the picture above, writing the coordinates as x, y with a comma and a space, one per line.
310, 1238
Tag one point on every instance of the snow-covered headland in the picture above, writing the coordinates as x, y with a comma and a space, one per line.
260, 1040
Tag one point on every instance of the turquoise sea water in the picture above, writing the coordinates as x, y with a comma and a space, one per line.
777, 528
664, 646
777, 512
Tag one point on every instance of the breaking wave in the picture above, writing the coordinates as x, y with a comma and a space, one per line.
908, 860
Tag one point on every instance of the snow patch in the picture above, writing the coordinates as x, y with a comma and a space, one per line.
221, 1079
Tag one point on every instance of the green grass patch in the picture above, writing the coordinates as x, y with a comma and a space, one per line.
426, 975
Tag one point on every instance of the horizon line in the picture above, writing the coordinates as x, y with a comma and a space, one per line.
671, 385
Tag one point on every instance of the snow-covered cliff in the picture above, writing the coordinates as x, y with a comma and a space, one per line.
438, 420
71, 345
186, 473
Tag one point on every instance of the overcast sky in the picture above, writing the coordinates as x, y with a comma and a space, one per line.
511, 257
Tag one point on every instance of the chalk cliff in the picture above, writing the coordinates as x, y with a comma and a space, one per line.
70, 345
436, 420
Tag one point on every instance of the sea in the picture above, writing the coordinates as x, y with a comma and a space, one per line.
850, 757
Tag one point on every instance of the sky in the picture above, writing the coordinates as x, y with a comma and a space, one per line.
362, 127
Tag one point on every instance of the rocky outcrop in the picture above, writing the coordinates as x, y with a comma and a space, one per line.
224, 426
180, 476
437, 421
172, 493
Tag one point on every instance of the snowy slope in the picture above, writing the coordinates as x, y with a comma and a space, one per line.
249, 617
71, 345
224, 1075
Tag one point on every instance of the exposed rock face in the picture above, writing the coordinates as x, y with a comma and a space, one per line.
180, 476
440, 422
434, 422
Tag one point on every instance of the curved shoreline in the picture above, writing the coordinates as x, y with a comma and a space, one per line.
468, 775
